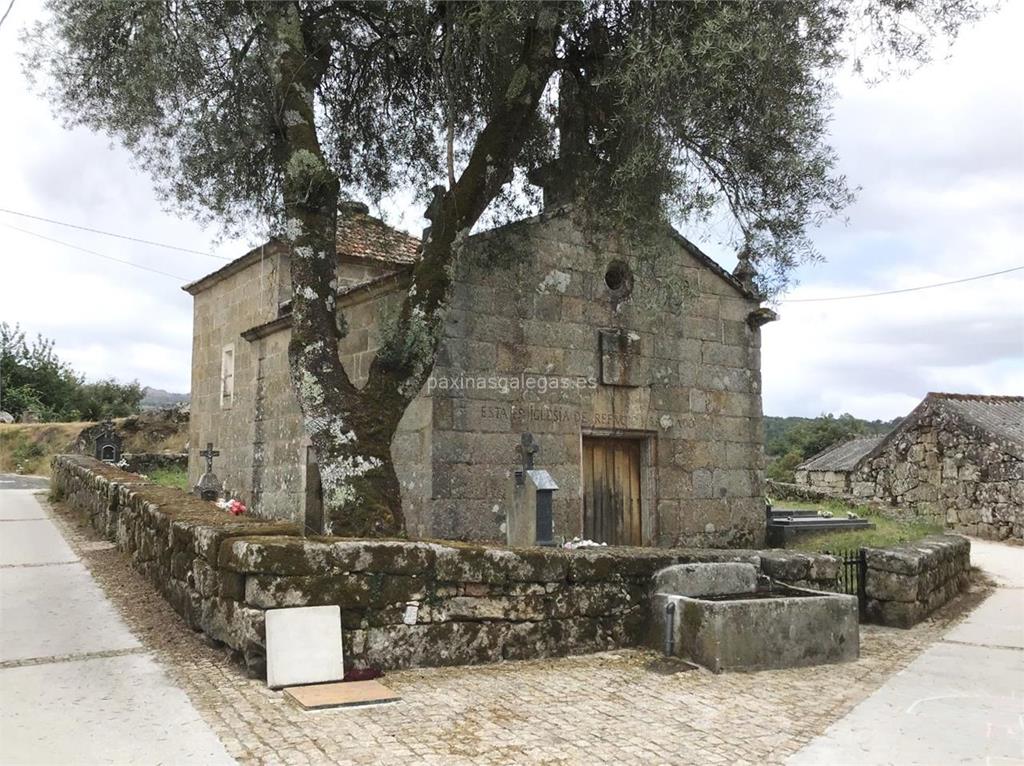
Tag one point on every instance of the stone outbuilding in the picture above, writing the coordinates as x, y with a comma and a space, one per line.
830, 469
958, 459
638, 375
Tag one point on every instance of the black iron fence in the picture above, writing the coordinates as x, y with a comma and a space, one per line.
851, 574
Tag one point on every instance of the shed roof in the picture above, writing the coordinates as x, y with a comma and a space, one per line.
841, 457
360, 235
1002, 416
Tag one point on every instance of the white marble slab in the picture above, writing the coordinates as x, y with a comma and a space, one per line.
304, 646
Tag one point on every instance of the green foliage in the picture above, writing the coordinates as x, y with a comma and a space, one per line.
108, 399
34, 380
27, 450
782, 467
792, 440
677, 110
170, 477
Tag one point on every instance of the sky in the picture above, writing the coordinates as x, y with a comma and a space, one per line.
938, 156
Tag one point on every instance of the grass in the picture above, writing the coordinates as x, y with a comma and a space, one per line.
29, 447
170, 477
887, 531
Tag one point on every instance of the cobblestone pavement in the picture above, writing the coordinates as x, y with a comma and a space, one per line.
604, 708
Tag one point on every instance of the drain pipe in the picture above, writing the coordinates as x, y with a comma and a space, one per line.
670, 629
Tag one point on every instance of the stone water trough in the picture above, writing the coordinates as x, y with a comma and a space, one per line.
719, 617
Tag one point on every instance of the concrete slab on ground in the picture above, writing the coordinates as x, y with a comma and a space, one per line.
15, 508
77, 685
21, 481
1003, 562
953, 704
998, 622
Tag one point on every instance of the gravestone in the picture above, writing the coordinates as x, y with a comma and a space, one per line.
209, 485
108, 443
529, 520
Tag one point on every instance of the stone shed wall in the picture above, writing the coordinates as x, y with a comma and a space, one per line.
952, 472
905, 585
477, 604
835, 481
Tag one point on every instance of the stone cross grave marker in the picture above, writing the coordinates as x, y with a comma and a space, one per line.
209, 453
209, 485
529, 518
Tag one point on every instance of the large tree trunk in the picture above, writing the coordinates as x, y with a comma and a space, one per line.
351, 429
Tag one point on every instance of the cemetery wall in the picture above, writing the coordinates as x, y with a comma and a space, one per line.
476, 604
145, 462
904, 585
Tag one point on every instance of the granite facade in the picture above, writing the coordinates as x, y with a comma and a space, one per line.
536, 341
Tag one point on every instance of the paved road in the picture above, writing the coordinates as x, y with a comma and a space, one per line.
76, 686
960, 702
16, 481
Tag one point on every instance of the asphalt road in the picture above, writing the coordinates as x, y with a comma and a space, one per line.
14, 481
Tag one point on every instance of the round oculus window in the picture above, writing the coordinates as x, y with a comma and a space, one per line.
619, 279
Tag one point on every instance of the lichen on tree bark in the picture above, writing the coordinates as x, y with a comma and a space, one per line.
350, 428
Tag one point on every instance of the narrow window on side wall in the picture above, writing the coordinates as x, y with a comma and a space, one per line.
227, 376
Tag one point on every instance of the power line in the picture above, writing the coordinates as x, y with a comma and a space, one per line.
4, 17
112, 234
99, 255
903, 290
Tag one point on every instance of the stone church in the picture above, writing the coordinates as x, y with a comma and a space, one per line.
636, 374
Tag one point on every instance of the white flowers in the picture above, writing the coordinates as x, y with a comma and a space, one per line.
579, 542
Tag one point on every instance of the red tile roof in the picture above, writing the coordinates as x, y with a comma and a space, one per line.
360, 235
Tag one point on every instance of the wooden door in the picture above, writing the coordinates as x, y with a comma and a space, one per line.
611, 491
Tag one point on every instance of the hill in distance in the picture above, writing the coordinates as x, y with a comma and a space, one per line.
157, 398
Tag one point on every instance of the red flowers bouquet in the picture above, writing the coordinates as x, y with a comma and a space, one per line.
232, 506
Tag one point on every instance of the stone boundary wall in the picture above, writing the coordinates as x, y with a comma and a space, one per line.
146, 462
477, 604
782, 491
904, 585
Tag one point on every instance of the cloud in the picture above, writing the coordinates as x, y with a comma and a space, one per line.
940, 159
939, 156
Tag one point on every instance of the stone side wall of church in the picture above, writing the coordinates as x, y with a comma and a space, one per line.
476, 604
260, 436
952, 472
220, 314
531, 301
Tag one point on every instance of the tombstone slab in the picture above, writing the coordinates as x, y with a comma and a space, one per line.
304, 646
